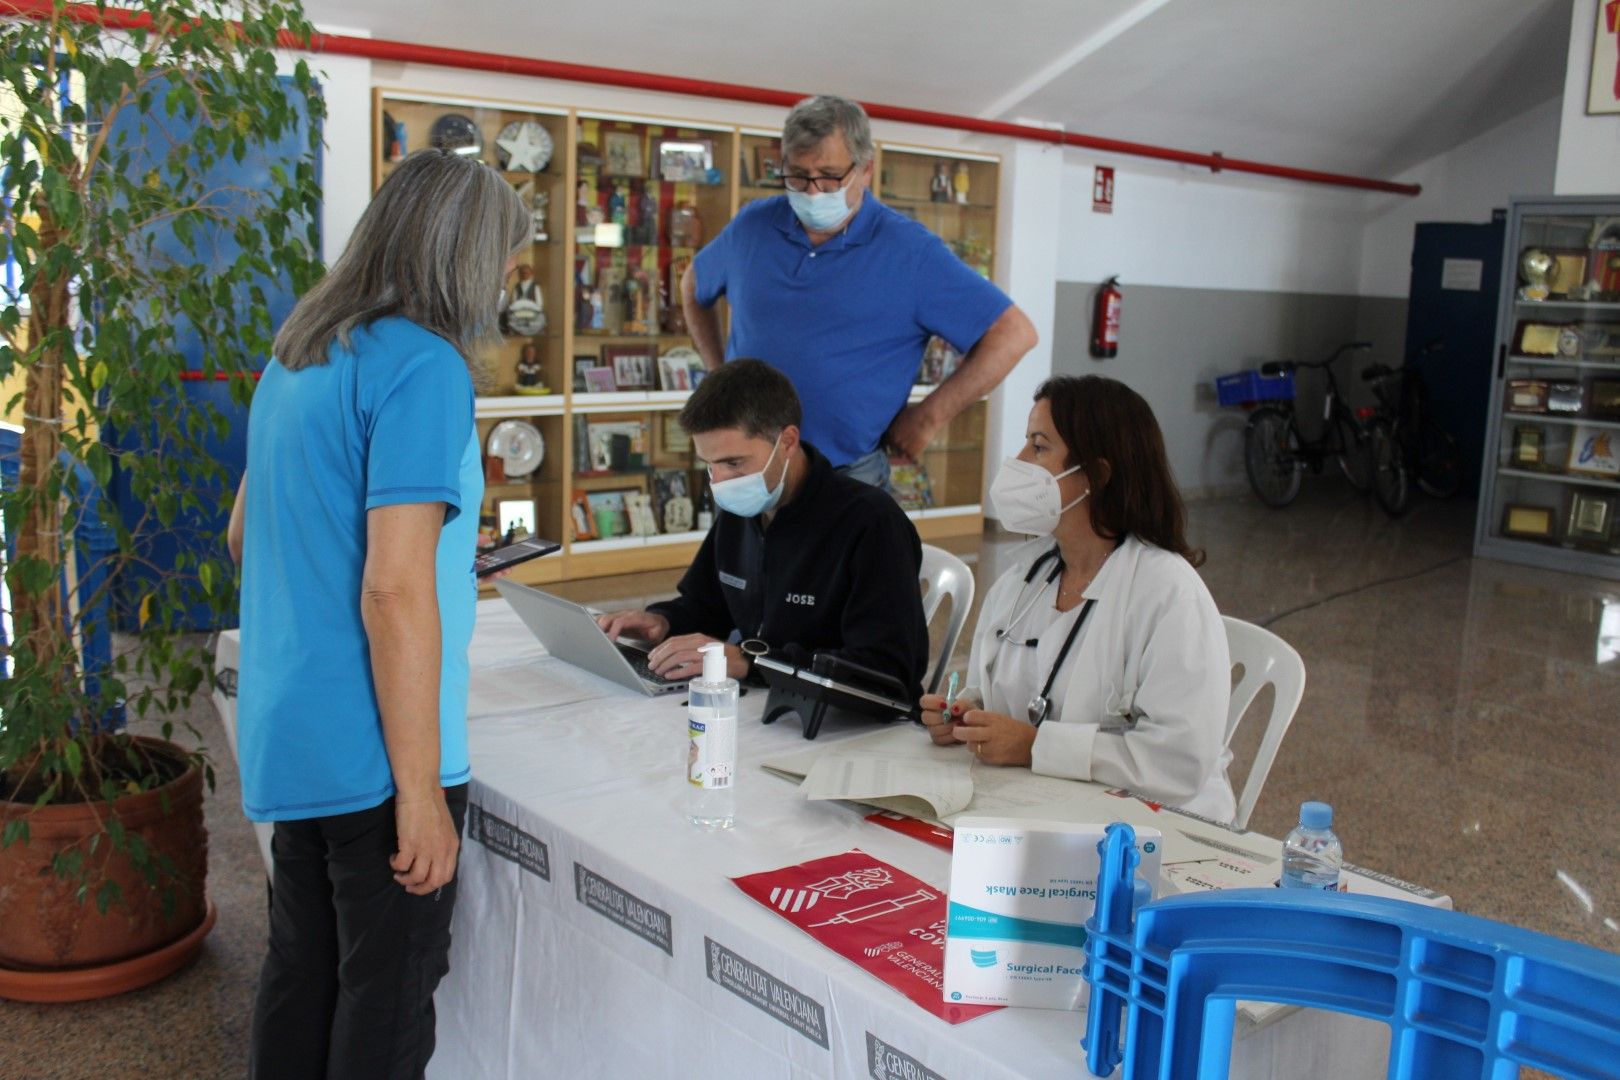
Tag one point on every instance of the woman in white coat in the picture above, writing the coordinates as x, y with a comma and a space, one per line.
1100, 655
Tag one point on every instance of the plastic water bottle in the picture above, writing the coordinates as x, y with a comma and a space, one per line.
1312, 853
712, 758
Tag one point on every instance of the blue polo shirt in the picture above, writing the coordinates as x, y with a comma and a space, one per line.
386, 421
848, 321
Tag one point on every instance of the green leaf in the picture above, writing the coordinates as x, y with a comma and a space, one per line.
16, 829
74, 758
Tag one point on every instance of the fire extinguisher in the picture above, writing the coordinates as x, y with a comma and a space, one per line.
1105, 320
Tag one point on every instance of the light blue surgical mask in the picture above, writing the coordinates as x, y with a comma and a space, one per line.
747, 496
824, 211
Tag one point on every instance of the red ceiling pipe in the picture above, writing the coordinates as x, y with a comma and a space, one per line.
409, 53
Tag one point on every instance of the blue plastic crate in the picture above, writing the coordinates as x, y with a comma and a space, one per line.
1248, 387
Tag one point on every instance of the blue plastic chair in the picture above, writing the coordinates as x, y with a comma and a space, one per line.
1464, 997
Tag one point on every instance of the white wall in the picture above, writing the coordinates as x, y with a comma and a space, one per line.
1031, 186
1185, 226
1462, 185
1588, 146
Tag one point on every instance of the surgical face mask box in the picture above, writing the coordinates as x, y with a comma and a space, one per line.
1021, 892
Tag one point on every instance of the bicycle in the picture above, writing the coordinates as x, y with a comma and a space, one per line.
1406, 444
1276, 452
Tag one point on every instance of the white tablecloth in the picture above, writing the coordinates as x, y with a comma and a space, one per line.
604, 964
597, 933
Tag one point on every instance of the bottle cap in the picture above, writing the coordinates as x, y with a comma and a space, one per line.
714, 662
1312, 815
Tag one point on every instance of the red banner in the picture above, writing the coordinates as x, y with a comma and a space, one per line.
881, 918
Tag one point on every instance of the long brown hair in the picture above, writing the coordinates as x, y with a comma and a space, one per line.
1111, 431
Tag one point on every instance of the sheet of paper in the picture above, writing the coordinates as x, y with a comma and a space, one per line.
861, 776
895, 741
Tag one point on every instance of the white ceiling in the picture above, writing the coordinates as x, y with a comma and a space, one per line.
1370, 86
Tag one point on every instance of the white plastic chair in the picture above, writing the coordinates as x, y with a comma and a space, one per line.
1265, 658
945, 576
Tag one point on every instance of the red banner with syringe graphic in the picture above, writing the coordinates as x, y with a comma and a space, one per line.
879, 917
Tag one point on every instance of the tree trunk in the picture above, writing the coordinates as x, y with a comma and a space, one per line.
40, 535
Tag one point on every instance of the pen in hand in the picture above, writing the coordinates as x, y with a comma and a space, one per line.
951, 689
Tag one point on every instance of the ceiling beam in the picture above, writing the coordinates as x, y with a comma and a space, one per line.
1086, 46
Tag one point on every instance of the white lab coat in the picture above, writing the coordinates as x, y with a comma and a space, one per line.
1146, 685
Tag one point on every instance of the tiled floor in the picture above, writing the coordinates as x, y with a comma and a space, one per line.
1463, 717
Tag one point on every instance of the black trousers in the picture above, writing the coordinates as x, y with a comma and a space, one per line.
346, 991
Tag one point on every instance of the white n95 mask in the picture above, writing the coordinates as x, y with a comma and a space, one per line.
1026, 497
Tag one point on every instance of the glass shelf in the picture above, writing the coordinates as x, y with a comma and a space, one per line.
1558, 477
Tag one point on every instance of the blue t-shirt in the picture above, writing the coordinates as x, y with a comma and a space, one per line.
387, 421
848, 321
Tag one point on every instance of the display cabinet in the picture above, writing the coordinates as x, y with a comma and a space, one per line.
577, 416
1551, 491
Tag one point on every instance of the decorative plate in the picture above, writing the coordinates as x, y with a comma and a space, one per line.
525, 318
519, 445
523, 146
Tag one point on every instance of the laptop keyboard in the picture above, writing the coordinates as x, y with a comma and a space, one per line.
638, 660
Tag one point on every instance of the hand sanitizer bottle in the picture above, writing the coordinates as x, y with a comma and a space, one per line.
711, 761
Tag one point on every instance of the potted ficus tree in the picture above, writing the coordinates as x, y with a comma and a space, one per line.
135, 255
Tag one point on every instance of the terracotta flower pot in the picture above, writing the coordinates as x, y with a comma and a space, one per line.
42, 923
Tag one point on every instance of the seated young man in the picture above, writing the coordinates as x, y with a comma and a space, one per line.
800, 559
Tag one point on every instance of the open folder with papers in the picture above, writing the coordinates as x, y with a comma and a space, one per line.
899, 769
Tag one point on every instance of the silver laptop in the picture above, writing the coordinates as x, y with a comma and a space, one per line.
570, 633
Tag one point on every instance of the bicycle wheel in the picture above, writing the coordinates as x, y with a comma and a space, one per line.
1389, 477
1353, 455
1439, 463
1270, 456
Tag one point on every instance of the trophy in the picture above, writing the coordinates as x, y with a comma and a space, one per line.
538, 211
1535, 268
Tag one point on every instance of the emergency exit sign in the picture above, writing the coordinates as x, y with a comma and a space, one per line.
1102, 190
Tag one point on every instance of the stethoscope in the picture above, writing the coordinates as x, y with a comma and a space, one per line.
1041, 704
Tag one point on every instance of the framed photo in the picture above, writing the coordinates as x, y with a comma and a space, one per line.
1527, 395
580, 516
617, 445
768, 165
634, 366
582, 364
1603, 92
621, 154
1528, 447
599, 380
670, 486
1527, 522
683, 160
1591, 517
608, 511
1594, 451
674, 438
1603, 399
515, 518
672, 374
1538, 339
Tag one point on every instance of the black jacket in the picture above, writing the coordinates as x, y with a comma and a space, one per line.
836, 572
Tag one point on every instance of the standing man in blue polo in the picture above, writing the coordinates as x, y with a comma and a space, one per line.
841, 294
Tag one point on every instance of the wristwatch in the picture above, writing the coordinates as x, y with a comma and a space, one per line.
753, 649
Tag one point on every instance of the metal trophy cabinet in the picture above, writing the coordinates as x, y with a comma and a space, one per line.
1550, 495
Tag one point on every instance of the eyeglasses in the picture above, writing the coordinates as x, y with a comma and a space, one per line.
821, 183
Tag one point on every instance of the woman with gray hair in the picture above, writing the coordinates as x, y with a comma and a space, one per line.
356, 539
